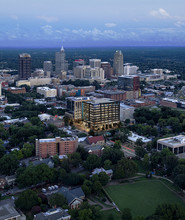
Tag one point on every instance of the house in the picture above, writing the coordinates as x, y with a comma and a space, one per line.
96, 140
53, 214
10, 179
8, 211
74, 196
97, 150
2, 183
99, 170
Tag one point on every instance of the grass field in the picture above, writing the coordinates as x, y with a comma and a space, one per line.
142, 197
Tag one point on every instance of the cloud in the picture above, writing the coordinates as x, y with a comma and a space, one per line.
180, 23
109, 25
48, 29
14, 17
48, 19
160, 13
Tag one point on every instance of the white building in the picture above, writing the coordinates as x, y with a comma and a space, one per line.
95, 63
86, 72
130, 70
175, 144
47, 92
126, 112
34, 81
134, 137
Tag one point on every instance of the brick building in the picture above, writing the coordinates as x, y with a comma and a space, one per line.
17, 90
56, 146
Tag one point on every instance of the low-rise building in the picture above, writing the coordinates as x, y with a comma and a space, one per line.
56, 146
8, 211
96, 140
74, 196
175, 144
96, 149
47, 92
53, 214
99, 170
17, 90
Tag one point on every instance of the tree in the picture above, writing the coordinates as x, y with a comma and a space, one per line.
180, 181
87, 187
180, 169
146, 161
103, 178
85, 214
92, 162
56, 160
139, 142
171, 162
170, 212
35, 210
140, 151
126, 214
75, 159
117, 144
2, 149
97, 187
125, 168
112, 154
27, 199
57, 200
8, 164
83, 153
107, 164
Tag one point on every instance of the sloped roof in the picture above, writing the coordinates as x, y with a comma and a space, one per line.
95, 139
71, 194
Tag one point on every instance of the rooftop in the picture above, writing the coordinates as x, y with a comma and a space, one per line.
175, 141
101, 100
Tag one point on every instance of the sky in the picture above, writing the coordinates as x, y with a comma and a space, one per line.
83, 23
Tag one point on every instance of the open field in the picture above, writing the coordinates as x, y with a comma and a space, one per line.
142, 197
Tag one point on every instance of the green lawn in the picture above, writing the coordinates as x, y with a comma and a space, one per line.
142, 197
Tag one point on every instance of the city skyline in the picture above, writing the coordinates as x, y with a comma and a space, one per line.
47, 23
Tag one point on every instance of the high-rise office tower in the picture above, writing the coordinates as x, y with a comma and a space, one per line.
106, 66
118, 63
47, 67
60, 63
95, 63
24, 66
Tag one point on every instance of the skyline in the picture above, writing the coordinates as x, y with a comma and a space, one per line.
72, 23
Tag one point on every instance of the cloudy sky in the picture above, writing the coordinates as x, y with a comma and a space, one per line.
80, 23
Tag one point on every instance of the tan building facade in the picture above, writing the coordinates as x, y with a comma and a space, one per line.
56, 146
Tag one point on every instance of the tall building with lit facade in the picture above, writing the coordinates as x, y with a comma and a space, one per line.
118, 63
101, 114
24, 66
60, 62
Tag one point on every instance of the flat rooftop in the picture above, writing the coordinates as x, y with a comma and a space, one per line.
78, 98
101, 100
7, 210
175, 141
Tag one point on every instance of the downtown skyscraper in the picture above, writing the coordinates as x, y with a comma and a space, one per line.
24, 66
60, 62
118, 63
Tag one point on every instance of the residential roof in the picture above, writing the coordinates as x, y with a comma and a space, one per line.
95, 139
71, 194
52, 214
